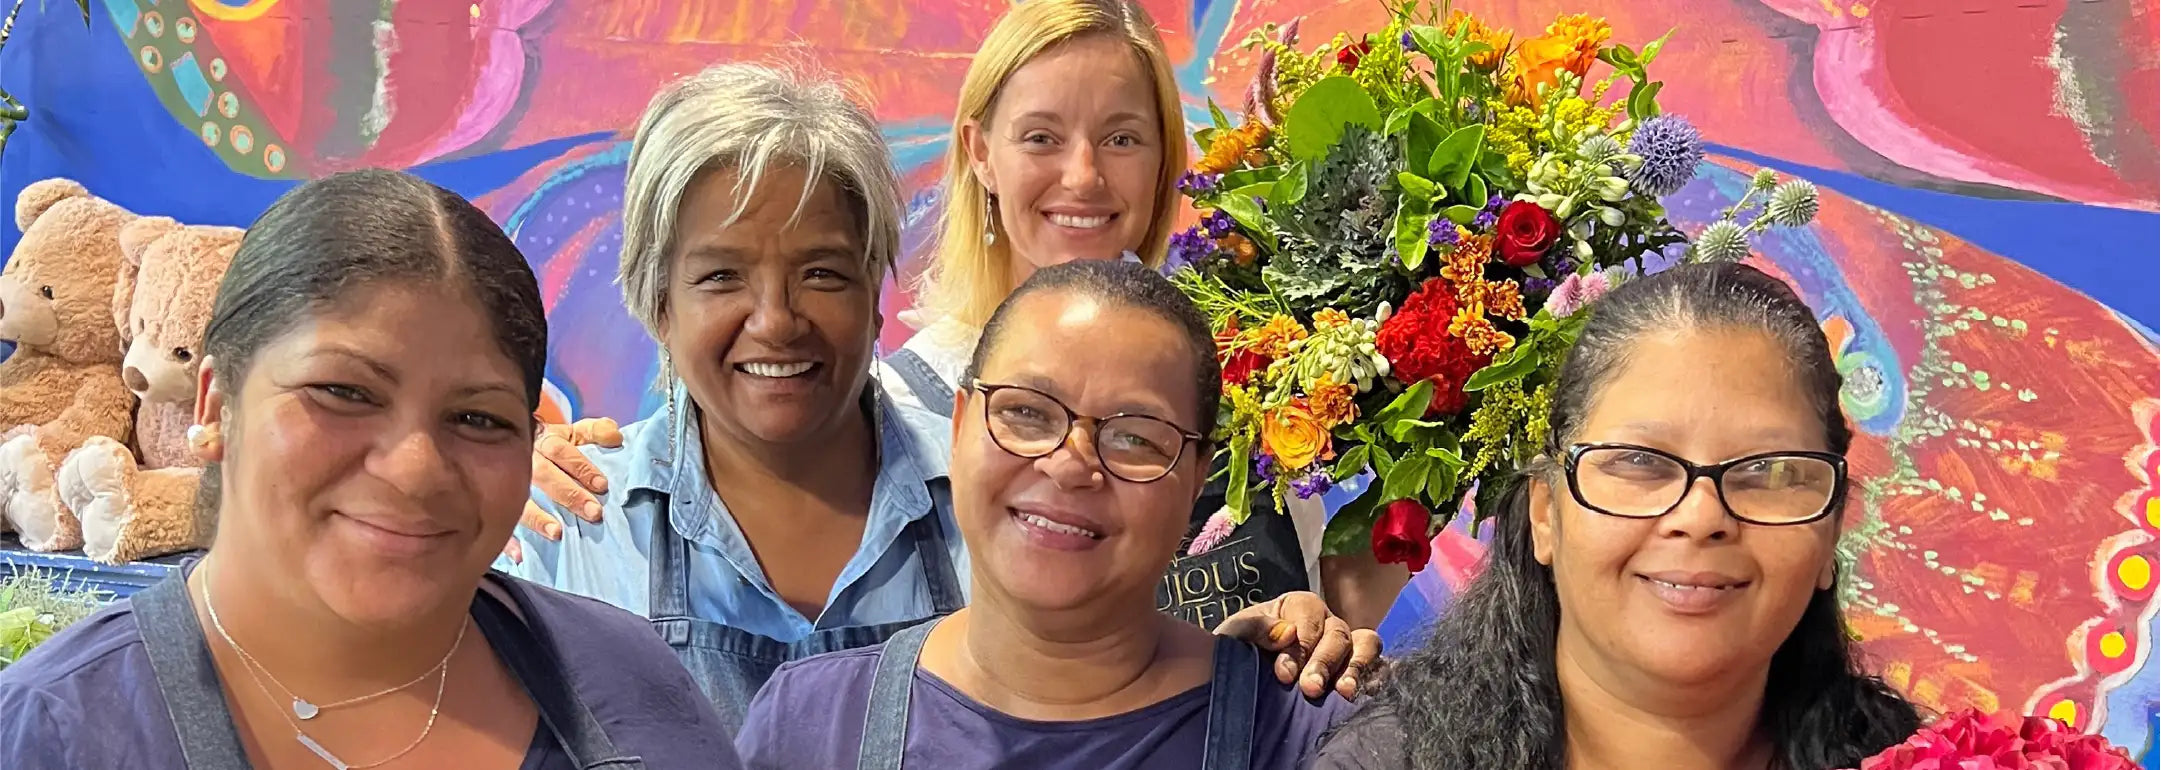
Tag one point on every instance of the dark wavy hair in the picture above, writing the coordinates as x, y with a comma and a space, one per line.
1483, 692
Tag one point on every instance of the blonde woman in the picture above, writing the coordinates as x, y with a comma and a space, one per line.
1067, 145
782, 505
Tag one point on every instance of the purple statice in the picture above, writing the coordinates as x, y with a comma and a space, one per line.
1313, 484
1189, 247
1441, 233
1196, 183
1218, 224
1671, 150
1406, 42
1264, 468
1537, 286
1490, 214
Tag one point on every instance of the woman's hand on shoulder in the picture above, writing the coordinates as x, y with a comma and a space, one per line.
1299, 627
564, 474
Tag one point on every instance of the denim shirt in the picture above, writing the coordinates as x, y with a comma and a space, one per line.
662, 458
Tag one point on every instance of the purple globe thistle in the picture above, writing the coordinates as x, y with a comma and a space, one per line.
1218, 224
1189, 247
1314, 483
1671, 150
1441, 233
1195, 183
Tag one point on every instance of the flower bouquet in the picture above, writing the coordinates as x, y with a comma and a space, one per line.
1395, 243
1969, 740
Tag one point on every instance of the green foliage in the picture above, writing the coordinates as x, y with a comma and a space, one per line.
1321, 115
35, 605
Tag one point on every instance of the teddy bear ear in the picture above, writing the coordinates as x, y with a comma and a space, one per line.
137, 236
42, 195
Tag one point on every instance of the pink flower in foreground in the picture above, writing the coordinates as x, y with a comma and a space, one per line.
1213, 533
1576, 292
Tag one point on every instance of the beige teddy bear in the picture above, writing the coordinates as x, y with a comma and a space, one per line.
62, 386
129, 511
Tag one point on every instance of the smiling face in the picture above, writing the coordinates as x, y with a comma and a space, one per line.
380, 448
1073, 149
1694, 596
1058, 533
769, 320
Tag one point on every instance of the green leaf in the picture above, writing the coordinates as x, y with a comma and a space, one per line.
1462, 215
1650, 50
1351, 462
1316, 122
1383, 462
1406, 430
1289, 190
1216, 115
1250, 177
1474, 191
1408, 479
1206, 136
1350, 530
1432, 42
1643, 100
1521, 360
1441, 481
1423, 136
1414, 218
1242, 207
1240, 486
1415, 186
1452, 162
1410, 405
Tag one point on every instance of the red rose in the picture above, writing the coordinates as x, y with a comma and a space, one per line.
1400, 535
1351, 54
1525, 233
1418, 346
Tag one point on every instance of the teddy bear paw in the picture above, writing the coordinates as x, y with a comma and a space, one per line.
96, 482
33, 498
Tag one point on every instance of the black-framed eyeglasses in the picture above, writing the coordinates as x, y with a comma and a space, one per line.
1771, 489
1029, 423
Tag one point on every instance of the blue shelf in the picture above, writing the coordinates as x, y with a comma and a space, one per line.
120, 580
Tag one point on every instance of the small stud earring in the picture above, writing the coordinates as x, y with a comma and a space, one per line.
990, 218
195, 435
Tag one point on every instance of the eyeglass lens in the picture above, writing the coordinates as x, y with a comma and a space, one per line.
1775, 489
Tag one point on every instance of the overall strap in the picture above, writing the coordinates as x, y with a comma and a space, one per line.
668, 593
946, 596
526, 649
885, 723
186, 676
923, 381
1231, 696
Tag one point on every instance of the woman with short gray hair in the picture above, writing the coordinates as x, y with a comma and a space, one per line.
782, 505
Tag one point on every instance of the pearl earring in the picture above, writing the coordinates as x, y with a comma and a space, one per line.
195, 435
990, 218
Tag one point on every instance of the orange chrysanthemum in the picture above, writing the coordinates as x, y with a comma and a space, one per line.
1231, 148
1274, 338
1480, 33
1329, 318
1330, 402
1467, 262
1501, 298
1477, 333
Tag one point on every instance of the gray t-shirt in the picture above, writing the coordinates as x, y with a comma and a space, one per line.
811, 715
88, 698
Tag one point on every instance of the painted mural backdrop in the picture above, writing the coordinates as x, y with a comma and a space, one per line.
1985, 262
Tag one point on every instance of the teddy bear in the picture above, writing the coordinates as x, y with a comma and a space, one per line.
133, 510
62, 385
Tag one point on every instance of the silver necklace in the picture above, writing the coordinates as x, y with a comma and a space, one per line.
304, 710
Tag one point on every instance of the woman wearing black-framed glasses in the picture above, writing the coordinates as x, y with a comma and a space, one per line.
1661, 586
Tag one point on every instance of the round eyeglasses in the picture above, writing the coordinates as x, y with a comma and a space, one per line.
1769, 489
1133, 447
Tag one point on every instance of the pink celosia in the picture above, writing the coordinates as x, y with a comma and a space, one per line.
1213, 533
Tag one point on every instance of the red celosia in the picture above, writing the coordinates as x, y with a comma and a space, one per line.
1418, 346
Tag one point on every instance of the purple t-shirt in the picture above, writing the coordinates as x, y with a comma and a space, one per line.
88, 698
810, 715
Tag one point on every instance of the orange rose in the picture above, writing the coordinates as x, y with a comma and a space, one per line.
1294, 436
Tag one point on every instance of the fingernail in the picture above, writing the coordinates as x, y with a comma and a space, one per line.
592, 511
1282, 630
552, 529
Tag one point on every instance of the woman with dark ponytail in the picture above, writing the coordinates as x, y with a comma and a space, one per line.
1661, 588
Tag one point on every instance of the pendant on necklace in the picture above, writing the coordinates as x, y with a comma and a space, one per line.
304, 709
335, 763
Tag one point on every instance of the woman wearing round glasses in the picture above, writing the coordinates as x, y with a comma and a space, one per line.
1661, 591
1077, 454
